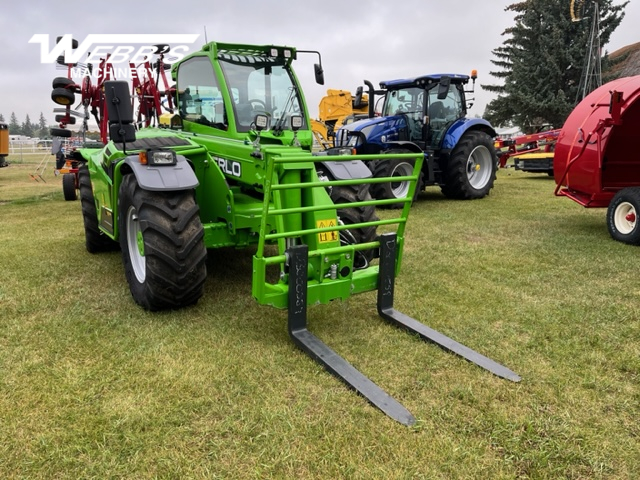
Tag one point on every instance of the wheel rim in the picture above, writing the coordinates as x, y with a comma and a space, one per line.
135, 245
400, 189
479, 167
625, 218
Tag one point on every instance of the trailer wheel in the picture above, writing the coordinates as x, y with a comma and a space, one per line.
163, 250
69, 187
61, 82
63, 96
95, 240
68, 120
60, 132
471, 169
622, 216
394, 167
348, 216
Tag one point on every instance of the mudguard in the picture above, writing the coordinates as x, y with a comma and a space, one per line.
348, 170
165, 177
461, 126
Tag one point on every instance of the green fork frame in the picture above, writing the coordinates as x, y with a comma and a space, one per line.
306, 277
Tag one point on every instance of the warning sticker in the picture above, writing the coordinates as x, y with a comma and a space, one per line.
331, 236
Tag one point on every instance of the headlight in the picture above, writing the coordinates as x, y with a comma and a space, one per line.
158, 157
296, 122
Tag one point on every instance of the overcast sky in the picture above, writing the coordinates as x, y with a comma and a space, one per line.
374, 40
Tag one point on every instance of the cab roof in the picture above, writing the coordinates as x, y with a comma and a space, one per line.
423, 80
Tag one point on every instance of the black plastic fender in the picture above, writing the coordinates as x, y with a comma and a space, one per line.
347, 170
163, 177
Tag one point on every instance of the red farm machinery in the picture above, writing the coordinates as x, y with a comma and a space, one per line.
595, 162
146, 96
530, 153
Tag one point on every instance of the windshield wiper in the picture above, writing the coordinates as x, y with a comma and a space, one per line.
279, 126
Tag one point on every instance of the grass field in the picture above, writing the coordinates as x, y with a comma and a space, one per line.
91, 386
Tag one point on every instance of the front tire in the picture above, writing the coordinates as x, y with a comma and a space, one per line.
163, 251
347, 216
394, 167
622, 216
471, 168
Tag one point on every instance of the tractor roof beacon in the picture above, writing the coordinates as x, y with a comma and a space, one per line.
232, 166
426, 114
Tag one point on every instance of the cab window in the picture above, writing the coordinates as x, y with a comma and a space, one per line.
199, 97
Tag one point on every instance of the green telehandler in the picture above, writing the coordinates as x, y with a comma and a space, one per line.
232, 166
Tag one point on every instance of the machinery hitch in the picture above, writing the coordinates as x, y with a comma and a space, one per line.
334, 363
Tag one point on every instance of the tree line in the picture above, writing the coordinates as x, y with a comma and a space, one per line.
39, 129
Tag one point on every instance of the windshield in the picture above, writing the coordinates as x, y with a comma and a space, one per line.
408, 101
261, 87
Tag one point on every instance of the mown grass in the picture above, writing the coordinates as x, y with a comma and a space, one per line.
91, 386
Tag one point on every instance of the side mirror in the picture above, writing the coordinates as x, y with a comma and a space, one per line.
319, 73
357, 102
119, 111
443, 87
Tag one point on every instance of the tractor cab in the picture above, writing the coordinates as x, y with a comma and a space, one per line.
418, 110
429, 110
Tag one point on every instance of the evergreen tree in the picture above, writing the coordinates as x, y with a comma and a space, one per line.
542, 58
27, 127
14, 126
43, 131
1, 118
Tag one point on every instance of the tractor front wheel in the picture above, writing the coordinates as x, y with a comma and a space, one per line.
95, 240
622, 216
163, 250
471, 168
69, 187
394, 167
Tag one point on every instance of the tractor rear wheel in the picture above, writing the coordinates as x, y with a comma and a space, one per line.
348, 216
95, 240
162, 241
471, 168
622, 216
394, 167
69, 187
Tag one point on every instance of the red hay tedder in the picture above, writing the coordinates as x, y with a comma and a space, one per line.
596, 162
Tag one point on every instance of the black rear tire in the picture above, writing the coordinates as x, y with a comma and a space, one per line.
162, 242
471, 168
95, 240
394, 167
69, 187
622, 216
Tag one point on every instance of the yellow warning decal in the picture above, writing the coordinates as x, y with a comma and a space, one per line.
331, 236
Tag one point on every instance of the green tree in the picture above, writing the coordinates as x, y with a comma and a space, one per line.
14, 126
42, 130
1, 118
27, 127
542, 58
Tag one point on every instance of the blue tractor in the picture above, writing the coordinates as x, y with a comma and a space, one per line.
426, 114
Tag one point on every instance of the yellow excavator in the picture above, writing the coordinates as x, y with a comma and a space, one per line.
337, 108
